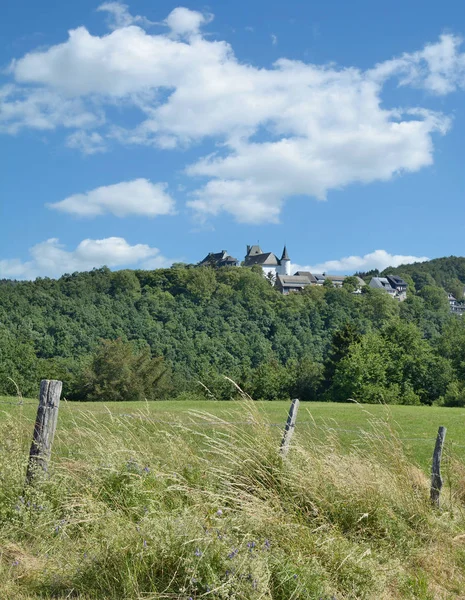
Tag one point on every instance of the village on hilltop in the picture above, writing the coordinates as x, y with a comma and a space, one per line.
279, 271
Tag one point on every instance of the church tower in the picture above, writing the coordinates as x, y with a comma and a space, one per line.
285, 263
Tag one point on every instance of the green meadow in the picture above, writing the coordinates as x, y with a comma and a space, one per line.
415, 426
187, 500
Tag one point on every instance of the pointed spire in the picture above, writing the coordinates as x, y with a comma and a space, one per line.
285, 255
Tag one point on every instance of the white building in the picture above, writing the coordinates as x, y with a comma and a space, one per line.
395, 286
455, 307
269, 262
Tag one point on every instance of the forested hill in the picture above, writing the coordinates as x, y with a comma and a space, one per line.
448, 273
170, 332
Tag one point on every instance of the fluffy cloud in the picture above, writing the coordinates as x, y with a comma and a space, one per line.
51, 259
254, 179
128, 61
138, 197
438, 68
321, 127
185, 22
43, 109
119, 15
379, 259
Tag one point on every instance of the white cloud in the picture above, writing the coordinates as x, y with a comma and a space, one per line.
185, 22
254, 179
249, 201
119, 16
127, 61
87, 142
321, 127
43, 109
438, 67
51, 259
379, 259
274, 39
137, 197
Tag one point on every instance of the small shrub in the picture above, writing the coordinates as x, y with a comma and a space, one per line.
455, 394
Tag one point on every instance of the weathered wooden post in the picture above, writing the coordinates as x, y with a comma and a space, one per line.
44, 428
290, 426
436, 479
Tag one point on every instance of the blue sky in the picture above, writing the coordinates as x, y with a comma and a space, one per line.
139, 134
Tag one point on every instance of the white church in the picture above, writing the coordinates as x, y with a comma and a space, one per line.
271, 265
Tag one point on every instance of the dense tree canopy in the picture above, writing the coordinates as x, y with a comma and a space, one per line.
181, 330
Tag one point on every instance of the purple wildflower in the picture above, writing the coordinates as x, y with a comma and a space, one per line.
198, 552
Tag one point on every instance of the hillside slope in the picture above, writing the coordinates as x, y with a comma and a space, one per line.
205, 323
447, 272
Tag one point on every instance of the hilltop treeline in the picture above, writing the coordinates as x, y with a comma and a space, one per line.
164, 333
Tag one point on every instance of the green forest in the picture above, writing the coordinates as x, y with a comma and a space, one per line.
177, 332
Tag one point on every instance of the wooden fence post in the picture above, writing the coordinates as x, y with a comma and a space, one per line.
290, 426
436, 479
44, 428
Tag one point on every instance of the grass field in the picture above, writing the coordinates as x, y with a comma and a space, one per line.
416, 426
189, 500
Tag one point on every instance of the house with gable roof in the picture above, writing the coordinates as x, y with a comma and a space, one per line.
395, 286
269, 262
456, 307
219, 259
292, 283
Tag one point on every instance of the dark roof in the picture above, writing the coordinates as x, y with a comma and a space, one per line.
382, 283
267, 258
285, 255
213, 257
396, 281
305, 274
254, 250
218, 258
319, 277
293, 281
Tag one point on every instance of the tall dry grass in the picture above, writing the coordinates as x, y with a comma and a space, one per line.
135, 510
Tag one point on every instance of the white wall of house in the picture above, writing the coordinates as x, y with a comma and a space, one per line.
269, 269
